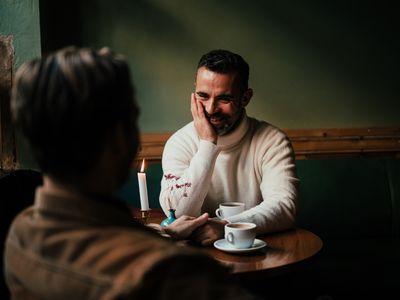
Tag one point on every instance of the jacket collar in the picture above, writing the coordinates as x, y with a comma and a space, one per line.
90, 209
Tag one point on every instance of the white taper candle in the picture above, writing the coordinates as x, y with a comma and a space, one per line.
144, 199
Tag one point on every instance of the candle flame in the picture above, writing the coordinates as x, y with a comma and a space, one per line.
142, 168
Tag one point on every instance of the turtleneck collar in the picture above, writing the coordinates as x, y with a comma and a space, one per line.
231, 139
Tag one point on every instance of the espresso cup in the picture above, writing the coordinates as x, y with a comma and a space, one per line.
228, 209
240, 235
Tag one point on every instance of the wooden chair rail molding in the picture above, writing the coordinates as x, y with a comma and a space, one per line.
312, 143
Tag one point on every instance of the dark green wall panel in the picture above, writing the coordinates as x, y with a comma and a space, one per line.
314, 64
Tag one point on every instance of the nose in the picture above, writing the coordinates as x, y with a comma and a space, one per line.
211, 106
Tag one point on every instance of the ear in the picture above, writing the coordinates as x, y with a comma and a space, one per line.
246, 97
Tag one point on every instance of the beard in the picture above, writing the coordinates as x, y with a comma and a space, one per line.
228, 122
223, 128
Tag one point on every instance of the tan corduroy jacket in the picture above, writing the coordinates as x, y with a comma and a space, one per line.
76, 247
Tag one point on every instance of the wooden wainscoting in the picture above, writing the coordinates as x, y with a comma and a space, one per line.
312, 143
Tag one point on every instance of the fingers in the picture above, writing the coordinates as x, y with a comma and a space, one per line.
187, 218
195, 223
184, 226
200, 109
199, 233
196, 107
193, 106
199, 221
200, 236
201, 123
205, 235
207, 242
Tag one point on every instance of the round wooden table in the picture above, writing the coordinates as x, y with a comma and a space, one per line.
284, 251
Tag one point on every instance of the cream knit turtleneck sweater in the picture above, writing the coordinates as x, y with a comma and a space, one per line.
254, 164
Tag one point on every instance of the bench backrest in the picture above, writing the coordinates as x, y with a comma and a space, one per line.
339, 198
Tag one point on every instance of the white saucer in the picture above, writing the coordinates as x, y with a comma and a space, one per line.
223, 245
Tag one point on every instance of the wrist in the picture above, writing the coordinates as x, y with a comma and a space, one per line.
211, 140
160, 230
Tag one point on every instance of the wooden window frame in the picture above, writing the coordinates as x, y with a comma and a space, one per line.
8, 158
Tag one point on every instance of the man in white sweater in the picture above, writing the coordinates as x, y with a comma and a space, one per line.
225, 156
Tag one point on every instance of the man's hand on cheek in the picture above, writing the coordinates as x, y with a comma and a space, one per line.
203, 127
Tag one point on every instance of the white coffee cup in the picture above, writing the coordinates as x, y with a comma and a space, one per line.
240, 235
228, 209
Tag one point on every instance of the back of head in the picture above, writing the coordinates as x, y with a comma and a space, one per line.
224, 61
66, 104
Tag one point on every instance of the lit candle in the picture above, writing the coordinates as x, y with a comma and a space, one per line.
144, 200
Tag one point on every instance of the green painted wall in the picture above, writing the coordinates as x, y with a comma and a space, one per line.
314, 64
20, 18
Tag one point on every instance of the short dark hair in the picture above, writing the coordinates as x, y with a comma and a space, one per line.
224, 61
66, 103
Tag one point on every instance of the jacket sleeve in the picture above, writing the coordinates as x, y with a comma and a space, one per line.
194, 277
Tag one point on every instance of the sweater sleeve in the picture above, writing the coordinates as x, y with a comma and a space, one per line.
187, 168
279, 187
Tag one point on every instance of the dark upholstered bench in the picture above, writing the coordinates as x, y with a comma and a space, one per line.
350, 198
354, 206
339, 198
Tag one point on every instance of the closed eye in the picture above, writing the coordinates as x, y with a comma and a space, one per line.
201, 95
225, 98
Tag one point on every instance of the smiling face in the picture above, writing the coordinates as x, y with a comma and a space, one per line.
221, 98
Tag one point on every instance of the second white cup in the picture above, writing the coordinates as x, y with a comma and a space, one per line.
228, 209
240, 235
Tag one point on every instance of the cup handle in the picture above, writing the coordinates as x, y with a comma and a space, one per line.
229, 237
218, 212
